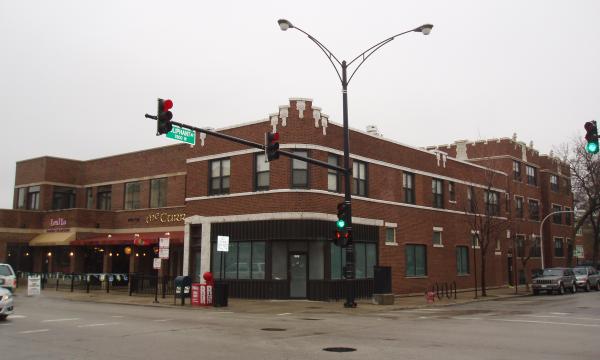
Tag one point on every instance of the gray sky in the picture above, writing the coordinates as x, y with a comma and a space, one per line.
76, 77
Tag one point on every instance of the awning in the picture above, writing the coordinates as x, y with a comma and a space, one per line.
53, 239
143, 239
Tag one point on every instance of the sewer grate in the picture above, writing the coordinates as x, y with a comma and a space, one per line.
310, 319
339, 349
273, 329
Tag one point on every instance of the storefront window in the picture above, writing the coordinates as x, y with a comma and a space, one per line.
338, 261
244, 249
258, 260
361, 265
231, 264
316, 264
279, 259
371, 259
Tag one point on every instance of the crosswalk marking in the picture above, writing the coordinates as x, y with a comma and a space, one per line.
94, 325
59, 320
33, 331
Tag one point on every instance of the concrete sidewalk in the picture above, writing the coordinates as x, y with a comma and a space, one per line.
279, 306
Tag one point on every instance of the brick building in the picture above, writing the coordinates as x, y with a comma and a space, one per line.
412, 210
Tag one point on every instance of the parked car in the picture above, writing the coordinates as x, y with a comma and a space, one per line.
6, 303
587, 277
555, 279
8, 279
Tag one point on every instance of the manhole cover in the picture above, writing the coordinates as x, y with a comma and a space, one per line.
339, 349
314, 307
309, 319
273, 329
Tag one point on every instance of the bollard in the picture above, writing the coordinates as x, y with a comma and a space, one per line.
72, 282
87, 284
57, 284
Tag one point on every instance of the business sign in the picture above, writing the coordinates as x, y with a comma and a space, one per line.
182, 134
223, 243
156, 264
34, 285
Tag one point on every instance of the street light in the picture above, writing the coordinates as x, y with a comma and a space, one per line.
345, 80
542, 224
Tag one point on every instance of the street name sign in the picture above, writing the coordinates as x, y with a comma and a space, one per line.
182, 134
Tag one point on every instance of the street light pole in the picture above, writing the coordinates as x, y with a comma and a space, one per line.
349, 271
541, 225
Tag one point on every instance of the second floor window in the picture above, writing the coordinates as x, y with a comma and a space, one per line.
516, 170
33, 198
519, 207
452, 190
557, 217
567, 216
158, 193
300, 171
359, 178
558, 247
531, 175
104, 197
534, 210
333, 176
491, 203
535, 250
262, 172
89, 198
471, 198
220, 171
132, 195
63, 198
408, 185
21, 198
554, 182
520, 240
437, 189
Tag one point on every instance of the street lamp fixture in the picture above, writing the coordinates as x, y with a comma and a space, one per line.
341, 69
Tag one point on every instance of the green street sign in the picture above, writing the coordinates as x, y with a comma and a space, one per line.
182, 134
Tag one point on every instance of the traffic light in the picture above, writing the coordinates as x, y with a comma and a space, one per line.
163, 121
591, 137
341, 238
272, 146
340, 224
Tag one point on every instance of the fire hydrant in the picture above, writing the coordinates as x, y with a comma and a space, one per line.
430, 297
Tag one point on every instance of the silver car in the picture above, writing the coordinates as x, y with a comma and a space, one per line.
6, 303
587, 277
555, 279
8, 278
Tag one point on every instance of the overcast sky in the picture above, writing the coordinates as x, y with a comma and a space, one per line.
77, 77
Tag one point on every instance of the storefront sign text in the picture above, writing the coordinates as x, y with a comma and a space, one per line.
164, 217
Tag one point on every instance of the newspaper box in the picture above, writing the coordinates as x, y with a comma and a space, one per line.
202, 295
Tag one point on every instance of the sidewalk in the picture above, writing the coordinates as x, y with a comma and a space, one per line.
279, 306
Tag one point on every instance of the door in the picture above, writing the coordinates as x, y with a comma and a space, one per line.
511, 277
298, 275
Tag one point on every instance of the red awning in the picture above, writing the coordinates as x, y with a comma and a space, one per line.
144, 239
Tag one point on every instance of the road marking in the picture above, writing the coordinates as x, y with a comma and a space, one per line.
420, 310
431, 309
284, 314
7, 324
118, 316
33, 331
94, 325
544, 322
18, 316
162, 320
562, 317
559, 313
58, 320
465, 318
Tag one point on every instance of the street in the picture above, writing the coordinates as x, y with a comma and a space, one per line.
541, 327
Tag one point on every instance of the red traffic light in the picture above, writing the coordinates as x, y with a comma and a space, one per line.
167, 104
589, 126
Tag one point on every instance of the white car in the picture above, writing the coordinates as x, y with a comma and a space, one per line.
6, 303
8, 279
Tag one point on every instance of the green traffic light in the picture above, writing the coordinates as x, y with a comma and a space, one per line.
592, 147
340, 223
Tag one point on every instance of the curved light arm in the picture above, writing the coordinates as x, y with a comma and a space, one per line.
541, 225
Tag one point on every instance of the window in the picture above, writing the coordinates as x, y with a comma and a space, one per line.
471, 198
519, 206
557, 218
580, 231
535, 247
33, 198
531, 175
359, 178
534, 210
451, 191
408, 184
520, 239
244, 260
158, 193
416, 260
437, 188
21, 198
437, 237
475, 240
104, 197
333, 176
63, 198
498, 245
220, 171
261, 172
554, 183
567, 216
558, 247
300, 171
462, 260
516, 170
89, 198
132, 195
390, 235
491, 202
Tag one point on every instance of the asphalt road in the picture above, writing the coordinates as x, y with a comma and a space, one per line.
541, 327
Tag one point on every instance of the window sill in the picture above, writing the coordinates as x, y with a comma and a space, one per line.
391, 243
452, 201
463, 275
498, 253
438, 246
417, 277
475, 247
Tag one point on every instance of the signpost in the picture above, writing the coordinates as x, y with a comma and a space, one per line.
222, 246
182, 134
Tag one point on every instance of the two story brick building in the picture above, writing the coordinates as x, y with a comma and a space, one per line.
413, 210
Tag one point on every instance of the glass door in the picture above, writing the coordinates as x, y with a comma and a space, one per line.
298, 275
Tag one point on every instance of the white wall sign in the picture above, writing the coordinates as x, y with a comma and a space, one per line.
163, 253
223, 243
163, 242
157, 262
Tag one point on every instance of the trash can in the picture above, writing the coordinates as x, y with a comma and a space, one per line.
220, 294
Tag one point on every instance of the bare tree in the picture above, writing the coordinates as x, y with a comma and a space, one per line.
585, 179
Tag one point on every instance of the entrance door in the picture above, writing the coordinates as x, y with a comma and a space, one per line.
511, 277
298, 275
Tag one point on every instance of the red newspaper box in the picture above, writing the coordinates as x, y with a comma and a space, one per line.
196, 294
202, 295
